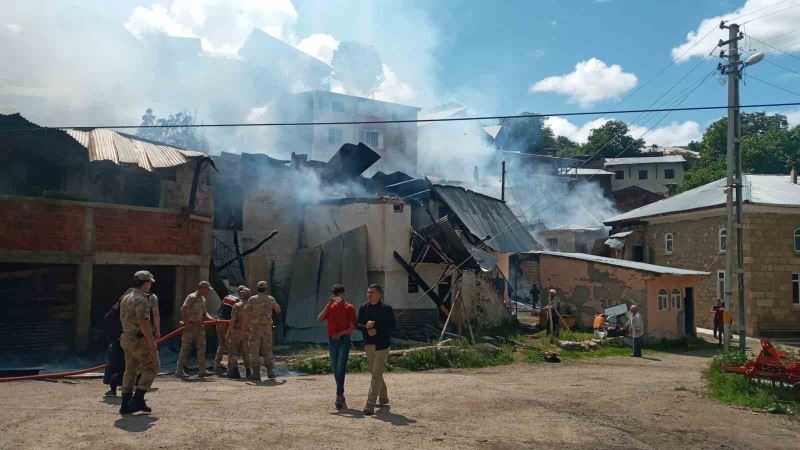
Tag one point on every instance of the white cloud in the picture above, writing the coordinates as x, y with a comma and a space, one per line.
592, 80
673, 134
320, 46
772, 22
14, 28
392, 89
257, 114
793, 117
222, 25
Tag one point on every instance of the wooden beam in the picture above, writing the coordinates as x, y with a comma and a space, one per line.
413, 273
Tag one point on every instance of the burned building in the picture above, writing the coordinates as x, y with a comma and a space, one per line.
84, 209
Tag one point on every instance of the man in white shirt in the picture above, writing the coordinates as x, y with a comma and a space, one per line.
637, 330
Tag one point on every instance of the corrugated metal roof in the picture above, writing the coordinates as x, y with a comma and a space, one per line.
645, 160
493, 131
122, 148
485, 216
777, 190
663, 270
582, 171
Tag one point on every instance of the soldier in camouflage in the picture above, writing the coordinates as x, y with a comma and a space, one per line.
193, 312
238, 337
137, 341
258, 322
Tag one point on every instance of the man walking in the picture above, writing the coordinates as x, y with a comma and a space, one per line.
376, 321
341, 318
718, 313
193, 312
258, 321
225, 312
237, 336
637, 331
138, 344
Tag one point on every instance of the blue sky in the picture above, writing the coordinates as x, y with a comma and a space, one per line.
489, 54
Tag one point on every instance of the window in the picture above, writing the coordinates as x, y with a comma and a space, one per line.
371, 138
676, 299
723, 240
669, 174
619, 174
643, 174
337, 105
663, 299
796, 289
335, 136
552, 244
668, 243
797, 240
721, 284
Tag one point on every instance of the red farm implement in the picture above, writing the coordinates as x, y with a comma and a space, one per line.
771, 364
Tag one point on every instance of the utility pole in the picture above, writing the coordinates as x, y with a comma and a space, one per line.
734, 256
503, 182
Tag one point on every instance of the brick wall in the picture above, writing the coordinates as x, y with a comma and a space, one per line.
52, 225
695, 247
40, 226
770, 260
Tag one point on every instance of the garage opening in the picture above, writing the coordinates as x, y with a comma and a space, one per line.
38, 304
109, 282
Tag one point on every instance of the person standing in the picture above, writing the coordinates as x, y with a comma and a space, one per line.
637, 331
376, 321
237, 337
193, 312
225, 312
341, 318
553, 314
718, 313
115, 367
534, 297
138, 344
258, 322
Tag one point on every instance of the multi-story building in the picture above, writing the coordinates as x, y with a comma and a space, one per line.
689, 231
657, 174
396, 143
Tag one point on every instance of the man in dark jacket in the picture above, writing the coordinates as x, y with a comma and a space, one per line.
376, 322
114, 353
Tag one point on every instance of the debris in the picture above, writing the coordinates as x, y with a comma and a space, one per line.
488, 348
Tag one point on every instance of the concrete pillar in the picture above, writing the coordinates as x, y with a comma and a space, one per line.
83, 284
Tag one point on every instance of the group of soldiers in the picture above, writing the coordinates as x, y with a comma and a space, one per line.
249, 332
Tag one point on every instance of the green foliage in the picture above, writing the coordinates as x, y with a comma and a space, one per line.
612, 140
527, 135
184, 137
736, 389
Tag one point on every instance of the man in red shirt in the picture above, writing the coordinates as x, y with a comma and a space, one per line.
341, 317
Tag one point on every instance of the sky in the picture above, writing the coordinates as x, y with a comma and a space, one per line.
505, 57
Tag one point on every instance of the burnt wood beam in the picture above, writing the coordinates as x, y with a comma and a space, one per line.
248, 251
413, 274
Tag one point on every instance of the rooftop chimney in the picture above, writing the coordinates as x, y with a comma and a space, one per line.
793, 175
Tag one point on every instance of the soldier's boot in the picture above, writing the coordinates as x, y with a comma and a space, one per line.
179, 369
233, 372
271, 372
137, 403
255, 374
248, 372
201, 369
126, 398
218, 369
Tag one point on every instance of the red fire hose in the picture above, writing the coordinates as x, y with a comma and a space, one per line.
102, 366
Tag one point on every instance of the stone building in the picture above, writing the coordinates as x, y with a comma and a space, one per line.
82, 211
688, 230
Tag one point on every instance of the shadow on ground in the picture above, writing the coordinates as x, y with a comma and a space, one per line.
135, 424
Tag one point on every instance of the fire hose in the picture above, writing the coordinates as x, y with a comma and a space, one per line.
102, 366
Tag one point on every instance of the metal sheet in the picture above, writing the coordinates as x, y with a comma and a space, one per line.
354, 265
301, 309
101, 146
330, 271
652, 268
126, 150
485, 216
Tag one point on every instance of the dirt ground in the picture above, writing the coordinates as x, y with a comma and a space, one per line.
612, 403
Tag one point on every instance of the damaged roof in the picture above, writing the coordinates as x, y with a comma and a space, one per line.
772, 190
486, 216
121, 148
644, 267
644, 160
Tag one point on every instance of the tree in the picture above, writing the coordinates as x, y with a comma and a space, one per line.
527, 134
358, 66
612, 141
183, 137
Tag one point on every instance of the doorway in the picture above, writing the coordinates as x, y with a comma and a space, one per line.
688, 304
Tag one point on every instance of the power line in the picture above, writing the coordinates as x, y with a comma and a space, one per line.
367, 122
773, 47
757, 10
774, 85
771, 14
781, 66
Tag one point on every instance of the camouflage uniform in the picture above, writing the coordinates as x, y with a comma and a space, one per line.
238, 340
139, 355
196, 336
259, 309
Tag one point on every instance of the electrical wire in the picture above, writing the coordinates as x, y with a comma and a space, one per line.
774, 85
781, 66
772, 13
757, 10
774, 48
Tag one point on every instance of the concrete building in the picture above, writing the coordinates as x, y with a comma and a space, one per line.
657, 174
571, 238
84, 210
587, 284
396, 143
688, 230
